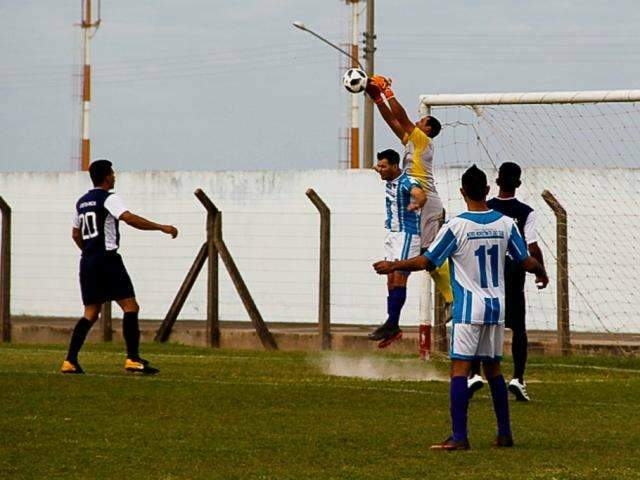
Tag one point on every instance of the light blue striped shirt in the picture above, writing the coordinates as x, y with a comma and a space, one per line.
477, 243
398, 198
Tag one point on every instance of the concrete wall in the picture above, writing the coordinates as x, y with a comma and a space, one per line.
271, 228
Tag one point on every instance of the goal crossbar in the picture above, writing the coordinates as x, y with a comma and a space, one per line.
592, 96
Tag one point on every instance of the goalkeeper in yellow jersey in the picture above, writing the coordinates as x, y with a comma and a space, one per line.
418, 163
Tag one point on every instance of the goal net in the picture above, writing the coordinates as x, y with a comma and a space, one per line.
584, 147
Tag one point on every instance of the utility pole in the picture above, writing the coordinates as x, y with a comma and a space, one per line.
87, 25
369, 50
355, 99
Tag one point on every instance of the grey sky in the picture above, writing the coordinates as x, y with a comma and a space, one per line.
201, 84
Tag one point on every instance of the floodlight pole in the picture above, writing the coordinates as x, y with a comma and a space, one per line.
87, 25
301, 26
369, 50
355, 99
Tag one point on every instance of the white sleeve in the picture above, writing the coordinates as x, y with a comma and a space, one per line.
76, 220
530, 229
115, 205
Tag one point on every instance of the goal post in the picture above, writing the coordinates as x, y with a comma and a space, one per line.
528, 98
584, 146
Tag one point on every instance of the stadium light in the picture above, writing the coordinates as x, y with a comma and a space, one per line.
301, 26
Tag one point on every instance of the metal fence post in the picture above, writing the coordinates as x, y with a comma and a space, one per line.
324, 299
5, 272
562, 282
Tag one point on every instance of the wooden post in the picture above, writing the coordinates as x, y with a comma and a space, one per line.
324, 312
163, 333
562, 267
5, 272
214, 228
105, 321
254, 314
439, 321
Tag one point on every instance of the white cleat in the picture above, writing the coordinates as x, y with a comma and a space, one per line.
519, 390
474, 384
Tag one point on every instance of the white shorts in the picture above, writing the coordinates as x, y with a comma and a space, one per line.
476, 342
401, 245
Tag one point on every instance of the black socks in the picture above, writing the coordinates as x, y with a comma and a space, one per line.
131, 334
78, 337
519, 348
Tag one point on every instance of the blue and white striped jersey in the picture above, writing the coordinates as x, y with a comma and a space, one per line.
476, 244
398, 198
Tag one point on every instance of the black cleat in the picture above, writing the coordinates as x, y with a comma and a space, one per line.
383, 332
503, 441
72, 368
450, 445
139, 365
390, 338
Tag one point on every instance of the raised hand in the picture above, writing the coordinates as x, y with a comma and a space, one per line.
381, 82
170, 230
373, 91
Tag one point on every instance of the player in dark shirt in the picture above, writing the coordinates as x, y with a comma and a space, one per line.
515, 305
103, 276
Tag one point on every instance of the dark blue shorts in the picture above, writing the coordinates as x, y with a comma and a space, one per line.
103, 278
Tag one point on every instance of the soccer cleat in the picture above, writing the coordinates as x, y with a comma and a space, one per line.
474, 384
503, 441
449, 444
139, 365
391, 337
519, 390
71, 368
379, 333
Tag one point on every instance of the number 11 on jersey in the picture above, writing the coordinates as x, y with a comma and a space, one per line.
481, 253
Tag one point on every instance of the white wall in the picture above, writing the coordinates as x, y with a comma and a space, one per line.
272, 230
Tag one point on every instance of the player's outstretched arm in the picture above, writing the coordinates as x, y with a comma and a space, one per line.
531, 265
410, 265
76, 234
390, 120
375, 94
142, 223
398, 111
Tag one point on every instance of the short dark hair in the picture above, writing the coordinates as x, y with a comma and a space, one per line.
509, 176
99, 170
390, 155
435, 125
474, 183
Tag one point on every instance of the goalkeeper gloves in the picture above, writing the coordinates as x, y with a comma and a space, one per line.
384, 84
374, 91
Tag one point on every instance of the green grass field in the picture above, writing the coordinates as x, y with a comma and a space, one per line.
230, 414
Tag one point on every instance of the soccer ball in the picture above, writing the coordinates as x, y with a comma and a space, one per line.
354, 80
